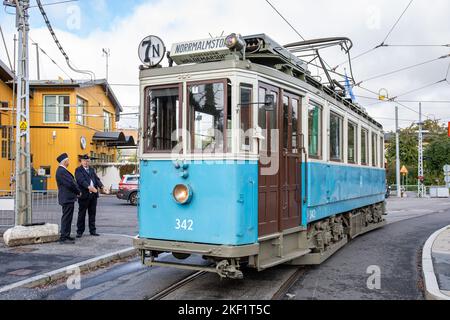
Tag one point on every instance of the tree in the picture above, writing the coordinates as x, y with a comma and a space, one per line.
436, 152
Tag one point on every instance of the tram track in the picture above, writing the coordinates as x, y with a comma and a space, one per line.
178, 285
287, 285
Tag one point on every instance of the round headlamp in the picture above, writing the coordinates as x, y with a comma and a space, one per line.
235, 42
182, 194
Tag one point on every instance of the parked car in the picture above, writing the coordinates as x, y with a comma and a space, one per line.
129, 188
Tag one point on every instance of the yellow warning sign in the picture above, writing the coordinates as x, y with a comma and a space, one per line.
404, 171
23, 125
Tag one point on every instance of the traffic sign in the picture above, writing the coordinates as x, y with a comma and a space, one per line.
152, 51
404, 171
23, 126
447, 169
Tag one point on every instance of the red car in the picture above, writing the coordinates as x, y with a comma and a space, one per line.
129, 189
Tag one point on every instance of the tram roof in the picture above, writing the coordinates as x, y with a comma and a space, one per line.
269, 58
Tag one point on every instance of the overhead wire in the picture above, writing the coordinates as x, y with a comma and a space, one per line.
286, 20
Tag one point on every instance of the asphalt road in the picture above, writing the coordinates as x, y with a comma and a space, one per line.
394, 250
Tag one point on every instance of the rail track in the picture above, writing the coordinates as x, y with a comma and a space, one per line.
161, 295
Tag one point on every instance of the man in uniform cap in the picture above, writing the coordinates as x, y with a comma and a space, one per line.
89, 184
67, 196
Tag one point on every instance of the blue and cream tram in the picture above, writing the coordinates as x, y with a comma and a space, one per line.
246, 159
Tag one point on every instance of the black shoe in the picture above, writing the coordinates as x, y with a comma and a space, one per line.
70, 239
79, 235
66, 241
95, 234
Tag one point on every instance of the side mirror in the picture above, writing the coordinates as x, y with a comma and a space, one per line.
269, 102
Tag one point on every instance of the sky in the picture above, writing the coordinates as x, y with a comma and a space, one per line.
84, 27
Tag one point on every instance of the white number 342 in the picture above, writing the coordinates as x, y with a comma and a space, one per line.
187, 225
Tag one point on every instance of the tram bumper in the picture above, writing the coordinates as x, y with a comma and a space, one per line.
226, 258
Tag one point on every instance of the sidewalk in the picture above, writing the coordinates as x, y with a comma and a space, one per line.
436, 265
39, 264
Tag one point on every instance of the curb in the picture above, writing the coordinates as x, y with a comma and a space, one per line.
432, 291
52, 276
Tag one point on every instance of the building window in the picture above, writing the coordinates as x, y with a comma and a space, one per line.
81, 111
56, 109
364, 147
336, 130
352, 142
246, 117
7, 142
210, 116
107, 121
162, 117
315, 130
374, 150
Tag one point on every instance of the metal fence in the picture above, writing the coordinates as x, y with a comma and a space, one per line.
45, 208
413, 189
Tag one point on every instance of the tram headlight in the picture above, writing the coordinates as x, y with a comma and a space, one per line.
235, 41
182, 194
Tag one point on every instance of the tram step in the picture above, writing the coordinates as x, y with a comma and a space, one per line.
267, 264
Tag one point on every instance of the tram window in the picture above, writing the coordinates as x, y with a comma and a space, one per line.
352, 142
364, 147
382, 152
285, 122
295, 124
374, 150
336, 145
315, 131
246, 122
207, 113
162, 119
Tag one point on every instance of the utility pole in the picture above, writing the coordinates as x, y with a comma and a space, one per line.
23, 208
107, 54
37, 61
397, 153
421, 186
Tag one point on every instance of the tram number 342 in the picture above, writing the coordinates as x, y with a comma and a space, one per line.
185, 225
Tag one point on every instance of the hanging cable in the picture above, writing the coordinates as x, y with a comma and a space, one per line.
405, 68
290, 25
58, 44
419, 89
397, 22
6, 49
51, 59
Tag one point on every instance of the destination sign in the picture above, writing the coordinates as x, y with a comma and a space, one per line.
198, 51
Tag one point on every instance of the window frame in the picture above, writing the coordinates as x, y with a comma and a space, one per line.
375, 154
341, 138
179, 85
382, 155
190, 128
83, 115
319, 156
57, 96
367, 142
249, 87
356, 152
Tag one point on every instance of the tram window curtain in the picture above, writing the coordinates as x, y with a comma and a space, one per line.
336, 144
162, 119
364, 147
314, 130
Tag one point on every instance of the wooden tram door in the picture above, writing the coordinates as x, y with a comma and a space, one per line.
280, 163
269, 184
290, 162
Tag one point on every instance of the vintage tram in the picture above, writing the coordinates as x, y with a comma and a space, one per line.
248, 160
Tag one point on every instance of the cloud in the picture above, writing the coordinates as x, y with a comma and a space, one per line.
366, 22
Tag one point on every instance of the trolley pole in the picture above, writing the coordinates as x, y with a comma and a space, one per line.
397, 154
23, 207
421, 187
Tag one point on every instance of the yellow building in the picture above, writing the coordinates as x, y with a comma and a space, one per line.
73, 117
6, 127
